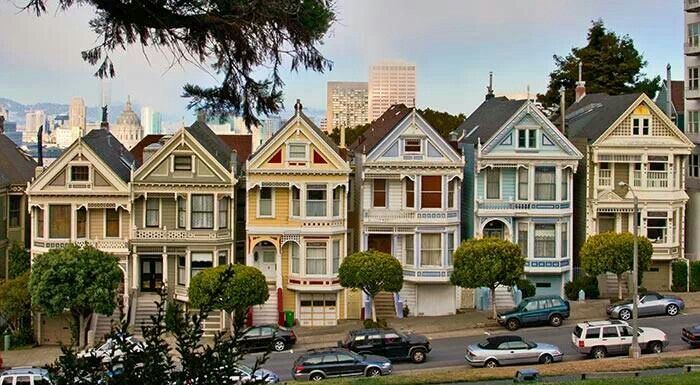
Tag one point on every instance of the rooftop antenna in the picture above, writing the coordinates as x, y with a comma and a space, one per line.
489, 89
528, 92
562, 105
580, 71
298, 107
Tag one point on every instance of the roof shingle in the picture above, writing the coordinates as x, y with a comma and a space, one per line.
490, 116
591, 116
16, 165
111, 151
379, 128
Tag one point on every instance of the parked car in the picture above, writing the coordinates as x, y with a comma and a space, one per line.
542, 309
510, 350
262, 337
25, 376
317, 364
691, 335
389, 343
110, 349
599, 339
650, 303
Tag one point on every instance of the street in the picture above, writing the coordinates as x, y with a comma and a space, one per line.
450, 351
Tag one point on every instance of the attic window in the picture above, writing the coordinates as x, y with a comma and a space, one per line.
183, 163
412, 145
297, 151
640, 126
79, 173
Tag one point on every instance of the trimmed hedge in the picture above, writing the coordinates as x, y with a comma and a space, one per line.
695, 276
589, 284
526, 287
679, 276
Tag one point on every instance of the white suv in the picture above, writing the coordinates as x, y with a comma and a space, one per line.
602, 338
25, 376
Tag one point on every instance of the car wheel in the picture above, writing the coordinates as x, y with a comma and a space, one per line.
598, 352
555, 320
625, 315
418, 356
656, 347
546, 359
672, 310
373, 372
513, 324
316, 377
279, 345
491, 363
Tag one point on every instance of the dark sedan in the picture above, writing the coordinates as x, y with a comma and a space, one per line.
691, 336
262, 337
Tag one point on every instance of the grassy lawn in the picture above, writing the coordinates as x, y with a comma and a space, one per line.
466, 374
675, 379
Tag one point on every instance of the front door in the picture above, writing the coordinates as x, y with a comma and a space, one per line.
379, 242
265, 258
151, 274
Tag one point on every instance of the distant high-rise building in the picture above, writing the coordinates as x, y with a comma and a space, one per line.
151, 121
390, 82
76, 113
346, 105
128, 128
33, 120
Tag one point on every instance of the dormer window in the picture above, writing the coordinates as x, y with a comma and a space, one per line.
640, 126
297, 152
79, 173
527, 138
183, 163
412, 146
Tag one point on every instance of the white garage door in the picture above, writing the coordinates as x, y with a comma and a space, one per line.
318, 309
434, 300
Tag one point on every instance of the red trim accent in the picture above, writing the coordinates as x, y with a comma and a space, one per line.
277, 158
316, 282
298, 282
280, 307
318, 158
249, 317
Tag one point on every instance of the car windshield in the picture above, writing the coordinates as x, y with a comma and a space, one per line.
578, 331
530, 344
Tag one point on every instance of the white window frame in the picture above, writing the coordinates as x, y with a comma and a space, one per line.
104, 231
692, 121
440, 245
694, 165
291, 202
224, 203
79, 164
666, 233
527, 184
641, 119
292, 246
420, 143
200, 252
160, 213
272, 203
529, 132
405, 249
486, 183
693, 78
325, 201
316, 245
289, 152
534, 183
336, 257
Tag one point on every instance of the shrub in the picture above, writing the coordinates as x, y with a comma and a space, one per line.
369, 324
406, 311
695, 275
172, 315
586, 283
526, 287
679, 278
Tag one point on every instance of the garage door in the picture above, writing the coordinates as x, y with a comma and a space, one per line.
318, 309
435, 300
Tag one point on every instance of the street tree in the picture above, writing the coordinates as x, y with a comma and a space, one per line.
231, 288
614, 253
19, 260
611, 64
15, 303
246, 43
487, 262
372, 272
83, 280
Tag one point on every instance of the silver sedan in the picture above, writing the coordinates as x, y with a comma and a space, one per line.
649, 304
510, 350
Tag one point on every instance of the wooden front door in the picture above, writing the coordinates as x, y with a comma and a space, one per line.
151, 274
379, 242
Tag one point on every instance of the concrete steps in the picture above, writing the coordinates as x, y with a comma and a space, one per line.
104, 324
384, 305
267, 313
145, 308
504, 298
608, 281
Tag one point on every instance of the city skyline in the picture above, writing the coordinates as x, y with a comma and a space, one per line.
451, 76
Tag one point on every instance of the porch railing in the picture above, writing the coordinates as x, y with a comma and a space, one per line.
386, 216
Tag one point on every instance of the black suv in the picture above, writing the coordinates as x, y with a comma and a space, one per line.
264, 336
389, 343
317, 364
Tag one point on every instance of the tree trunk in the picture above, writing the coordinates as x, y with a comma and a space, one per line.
619, 286
494, 313
374, 312
81, 330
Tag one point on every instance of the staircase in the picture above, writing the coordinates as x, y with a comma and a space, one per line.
145, 308
267, 313
212, 324
609, 285
384, 305
104, 324
504, 298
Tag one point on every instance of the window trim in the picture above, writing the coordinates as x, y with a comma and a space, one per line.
554, 183
192, 212
530, 133
70, 173
224, 202
191, 163
325, 200
641, 128
293, 188
412, 204
442, 193
87, 223
10, 210
486, 183
694, 166
272, 203
160, 213
69, 221
40, 220
119, 217
288, 152
405, 144
440, 245
519, 183
306, 257
178, 224
386, 193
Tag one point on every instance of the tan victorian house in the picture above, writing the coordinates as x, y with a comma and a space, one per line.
297, 185
183, 216
83, 197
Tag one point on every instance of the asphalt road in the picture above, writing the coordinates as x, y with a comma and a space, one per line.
450, 351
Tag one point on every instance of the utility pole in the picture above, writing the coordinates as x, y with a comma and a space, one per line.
635, 351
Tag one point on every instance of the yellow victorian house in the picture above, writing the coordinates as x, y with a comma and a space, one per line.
296, 226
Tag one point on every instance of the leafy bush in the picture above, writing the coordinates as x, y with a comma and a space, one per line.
695, 275
172, 315
19, 261
526, 287
679, 278
369, 324
588, 284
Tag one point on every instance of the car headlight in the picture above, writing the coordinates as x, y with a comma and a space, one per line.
386, 364
502, 317
556, 353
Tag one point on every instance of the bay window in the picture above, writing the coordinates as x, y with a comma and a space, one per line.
81, 223
430, 249
431, 192
181, 213
337, 193
545, 240
656, 226
39, 223
493, 183
296, 199
200, 262
450, 248
379, 193
316, 200
15, 208
408, 248
410, 193
564, 184
523, 176
316, 258
294, 253
111, 223
203, 211
564, 240
152, 212
223, 213
523, 237
59, 221
336, 256
265, 202
223, 257
181, 270
545, 183
451, 193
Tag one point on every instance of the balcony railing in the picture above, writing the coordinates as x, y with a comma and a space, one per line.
322, 222
427, 273
605, 177
408, 216
692, 93
692, 48
522, 205
637, 178
102, 244
181, 234
692, 5
657, 179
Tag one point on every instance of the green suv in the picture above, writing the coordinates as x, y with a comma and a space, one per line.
541, 309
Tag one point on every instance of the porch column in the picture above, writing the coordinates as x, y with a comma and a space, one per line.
188, 211
135, 271
165, 265
216, 212
278, 268
188, 266
73, 222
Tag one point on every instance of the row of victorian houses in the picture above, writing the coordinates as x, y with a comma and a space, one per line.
175, 205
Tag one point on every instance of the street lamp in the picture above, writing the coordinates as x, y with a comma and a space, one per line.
635, 351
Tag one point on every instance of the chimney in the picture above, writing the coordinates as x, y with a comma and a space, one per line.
40, 146
298, 107
580, 84
489, 89
562, 106
669, 90
342, 136
105, 121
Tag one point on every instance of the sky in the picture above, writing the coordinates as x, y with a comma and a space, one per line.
454, 43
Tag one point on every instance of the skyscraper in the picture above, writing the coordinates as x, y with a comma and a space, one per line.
390, 82
33, 120
76, 113
150, 121
692, 124
346, 104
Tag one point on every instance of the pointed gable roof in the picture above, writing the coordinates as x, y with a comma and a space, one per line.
212, 143
379, 128
16, 165
591, 116
111, 151
488, 118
